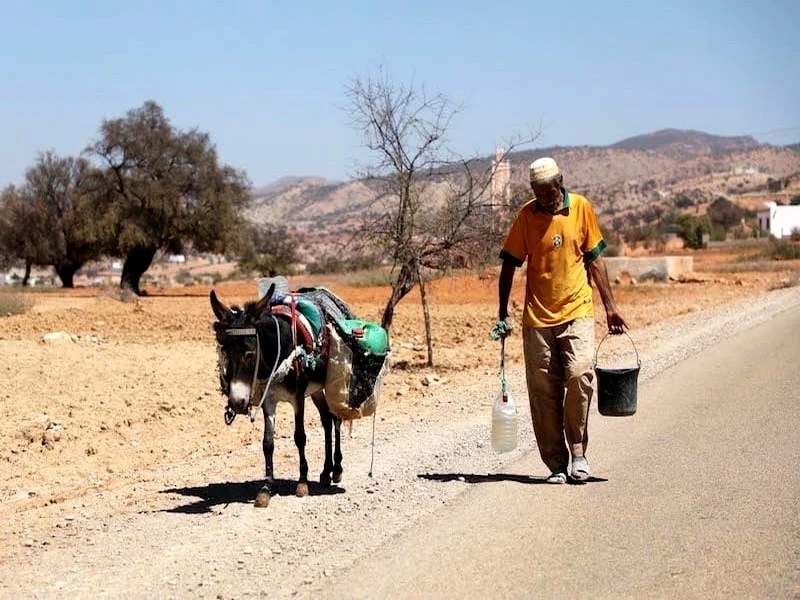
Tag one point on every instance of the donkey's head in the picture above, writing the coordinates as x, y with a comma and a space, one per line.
240, 363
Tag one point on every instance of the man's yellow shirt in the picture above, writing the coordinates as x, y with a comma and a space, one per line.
556, 246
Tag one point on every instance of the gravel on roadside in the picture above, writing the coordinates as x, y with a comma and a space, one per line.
293, 547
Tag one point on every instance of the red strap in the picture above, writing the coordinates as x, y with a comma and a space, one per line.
303, 335
294, 335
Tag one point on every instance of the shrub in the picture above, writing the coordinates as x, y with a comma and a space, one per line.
718, 233
14, 304
184, 277
691, 229
782, 250
378, 277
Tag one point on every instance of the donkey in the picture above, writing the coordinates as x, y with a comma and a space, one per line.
254, 343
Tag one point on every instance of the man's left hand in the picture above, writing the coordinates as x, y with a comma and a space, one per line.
616, 324
502, 329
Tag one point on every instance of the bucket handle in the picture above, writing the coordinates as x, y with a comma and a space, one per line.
638, 360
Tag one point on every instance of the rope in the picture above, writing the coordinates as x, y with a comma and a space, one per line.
503, 382
294, 334
372, 458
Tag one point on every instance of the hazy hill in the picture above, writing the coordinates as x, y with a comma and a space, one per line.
687, 142
284, 183
622, 179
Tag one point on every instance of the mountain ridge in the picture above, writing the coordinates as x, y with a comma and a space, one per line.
666, 168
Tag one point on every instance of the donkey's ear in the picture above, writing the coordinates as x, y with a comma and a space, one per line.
263, 305
222, 312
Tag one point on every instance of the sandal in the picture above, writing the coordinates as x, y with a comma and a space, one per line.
580, 468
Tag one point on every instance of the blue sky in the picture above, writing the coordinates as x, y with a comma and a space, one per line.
266, 79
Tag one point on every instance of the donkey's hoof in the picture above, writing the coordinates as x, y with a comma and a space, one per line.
325, 480
302, 490
337, 477
262, 499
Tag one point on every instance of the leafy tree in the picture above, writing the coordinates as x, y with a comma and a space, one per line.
652, 214
59, 194
691, 229
268, 249
166, 188
432, 212
683, 201
724, 213
22, 232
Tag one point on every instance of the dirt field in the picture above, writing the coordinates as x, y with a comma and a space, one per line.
134, 390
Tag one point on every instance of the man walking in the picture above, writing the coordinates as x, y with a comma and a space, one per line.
558, 234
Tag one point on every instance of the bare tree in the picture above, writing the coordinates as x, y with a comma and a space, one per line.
432, 211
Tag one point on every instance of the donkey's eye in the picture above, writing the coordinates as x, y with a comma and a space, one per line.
250, 356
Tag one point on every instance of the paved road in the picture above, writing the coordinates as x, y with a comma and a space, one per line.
695, 496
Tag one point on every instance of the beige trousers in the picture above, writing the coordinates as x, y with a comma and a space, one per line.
561, 381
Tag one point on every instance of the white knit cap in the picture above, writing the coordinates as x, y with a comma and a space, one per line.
543, 169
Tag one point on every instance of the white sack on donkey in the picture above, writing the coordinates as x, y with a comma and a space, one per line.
358, 360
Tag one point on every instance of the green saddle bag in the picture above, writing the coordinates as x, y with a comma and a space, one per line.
369, 336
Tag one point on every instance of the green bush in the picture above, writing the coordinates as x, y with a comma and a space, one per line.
691, 229
14, 304
782, 250
718, 233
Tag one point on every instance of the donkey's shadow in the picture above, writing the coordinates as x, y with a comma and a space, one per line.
239, 492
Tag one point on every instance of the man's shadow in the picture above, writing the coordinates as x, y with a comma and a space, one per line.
239, 492
496, 477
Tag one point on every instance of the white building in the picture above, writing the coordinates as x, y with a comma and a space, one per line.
779, 221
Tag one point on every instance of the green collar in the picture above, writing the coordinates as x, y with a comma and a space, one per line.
564, 204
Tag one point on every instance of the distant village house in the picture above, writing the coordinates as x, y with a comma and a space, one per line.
779, 221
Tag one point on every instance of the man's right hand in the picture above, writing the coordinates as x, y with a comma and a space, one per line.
502, 329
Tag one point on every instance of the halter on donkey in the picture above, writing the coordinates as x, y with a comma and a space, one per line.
265, 345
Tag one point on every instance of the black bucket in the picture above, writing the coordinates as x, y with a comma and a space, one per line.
616, 388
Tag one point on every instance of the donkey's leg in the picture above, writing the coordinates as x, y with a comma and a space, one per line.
327, 426
337, 453
268, 445
300, 442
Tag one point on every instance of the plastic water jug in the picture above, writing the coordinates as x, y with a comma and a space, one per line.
504, 422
